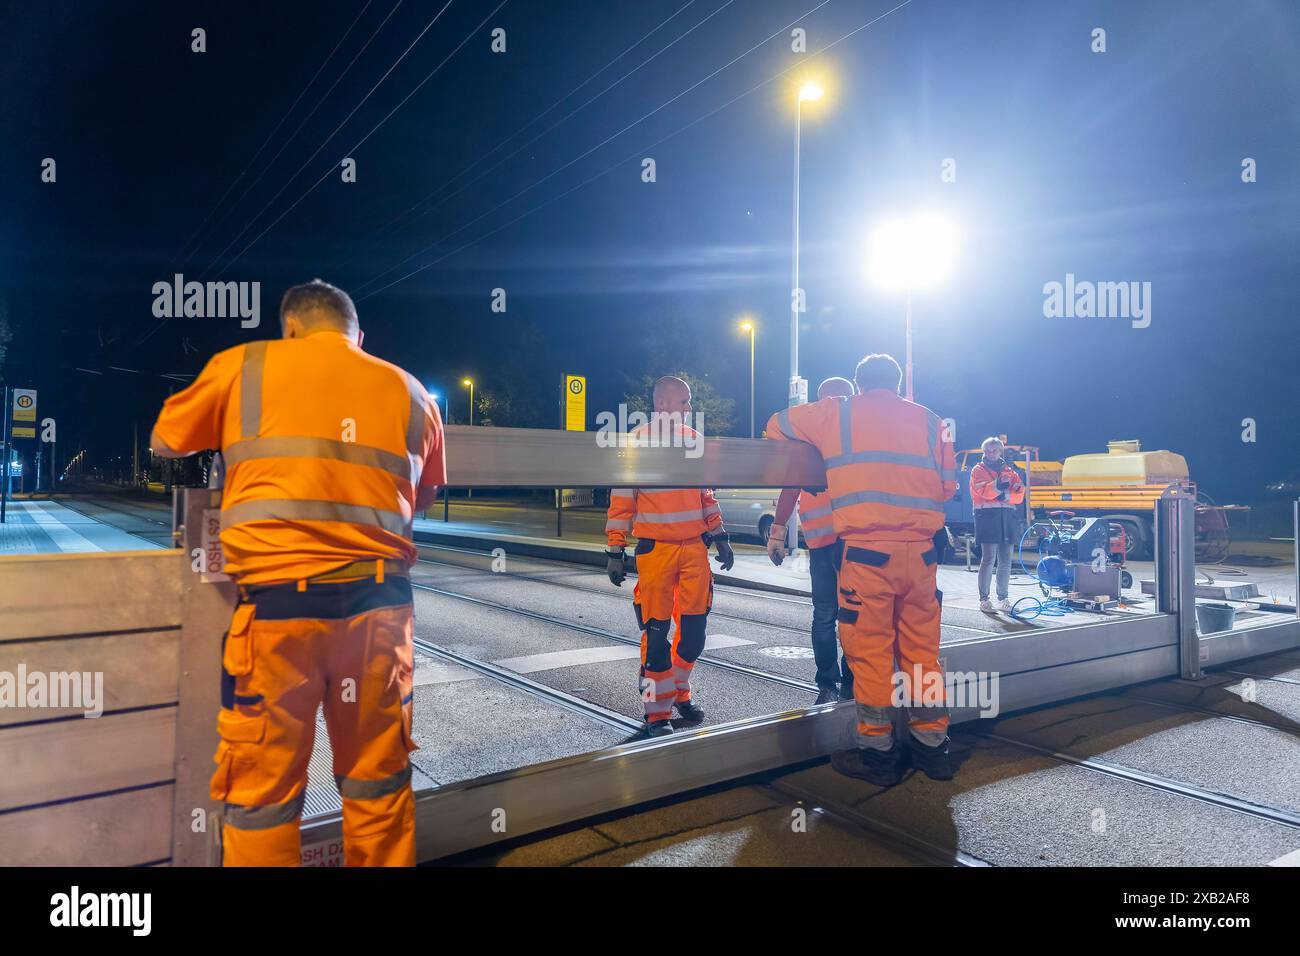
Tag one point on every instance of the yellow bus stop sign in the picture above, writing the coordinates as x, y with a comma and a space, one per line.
575, 403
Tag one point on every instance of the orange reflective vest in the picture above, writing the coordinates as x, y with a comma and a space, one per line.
662, 514
984, 491
817, 519
324, 447
889, 468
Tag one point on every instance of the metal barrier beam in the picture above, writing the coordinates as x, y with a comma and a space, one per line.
1175, 553
1033, 669
547, 458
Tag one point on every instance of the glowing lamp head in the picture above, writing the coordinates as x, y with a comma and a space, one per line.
912, 253
467, 382
746, 326
810, 91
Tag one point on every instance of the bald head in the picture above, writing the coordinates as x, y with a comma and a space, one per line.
672, 395
835, 388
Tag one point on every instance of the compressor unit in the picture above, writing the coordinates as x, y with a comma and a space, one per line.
1083, 558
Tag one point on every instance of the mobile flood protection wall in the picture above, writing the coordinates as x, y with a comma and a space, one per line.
135, 639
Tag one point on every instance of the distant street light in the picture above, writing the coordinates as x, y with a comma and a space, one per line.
446, 417
748, 326
908, 254
470, 383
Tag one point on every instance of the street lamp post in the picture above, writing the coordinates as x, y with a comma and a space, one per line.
909, 254
470, 382
808, 91
748, 326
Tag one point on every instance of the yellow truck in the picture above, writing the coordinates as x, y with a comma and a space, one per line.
1121, 484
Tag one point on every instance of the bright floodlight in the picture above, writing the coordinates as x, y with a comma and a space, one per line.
912, 253
810, 91
467, 382
746, 326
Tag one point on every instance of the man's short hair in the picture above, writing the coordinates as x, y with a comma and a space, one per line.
318, 303
835, 386
878, 371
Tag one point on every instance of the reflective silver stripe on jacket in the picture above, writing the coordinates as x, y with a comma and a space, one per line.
783, 423
250, 389
352, 789
816, 512
671, 517
263, 818
295, 446
618, 524
415, 427
288, 509
883, 457
623, 493
885, 498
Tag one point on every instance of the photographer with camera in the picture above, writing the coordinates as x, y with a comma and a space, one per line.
996, 490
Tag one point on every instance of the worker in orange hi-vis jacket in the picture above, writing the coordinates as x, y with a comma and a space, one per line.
889, 469
329, 454
673, 528
816, 521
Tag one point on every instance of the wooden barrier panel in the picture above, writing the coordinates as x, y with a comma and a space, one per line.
86, 635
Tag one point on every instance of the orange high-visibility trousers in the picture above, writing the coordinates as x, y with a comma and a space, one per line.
889, 625
674, 584
348, 646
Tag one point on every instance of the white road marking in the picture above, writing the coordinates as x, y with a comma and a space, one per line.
1290, 859
531, 663
438, 673
64, 538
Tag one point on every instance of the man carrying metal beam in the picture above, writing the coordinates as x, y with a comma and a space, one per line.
674, 528
329, 454
889, 468
818, 526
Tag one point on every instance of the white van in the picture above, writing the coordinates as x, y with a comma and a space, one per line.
748, 511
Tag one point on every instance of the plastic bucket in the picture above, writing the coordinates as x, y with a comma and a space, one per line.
1213, 617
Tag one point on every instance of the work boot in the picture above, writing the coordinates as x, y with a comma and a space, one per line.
689, 713
651, 728
884, 768
826, 695
935, 762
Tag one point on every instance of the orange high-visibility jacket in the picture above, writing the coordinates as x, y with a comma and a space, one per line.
984, 487
324, 447
888, 467
663, 514
817, 518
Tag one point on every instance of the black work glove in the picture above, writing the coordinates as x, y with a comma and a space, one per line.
616, 567
726, 557
1004, 482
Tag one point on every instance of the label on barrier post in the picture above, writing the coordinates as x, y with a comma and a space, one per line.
325, 853
214, 559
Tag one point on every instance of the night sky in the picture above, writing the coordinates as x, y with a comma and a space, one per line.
1117, 166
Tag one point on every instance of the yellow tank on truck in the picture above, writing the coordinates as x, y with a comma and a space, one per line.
1124, 464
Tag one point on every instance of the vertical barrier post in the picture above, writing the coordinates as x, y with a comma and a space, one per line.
206, 605
1295, 551
1176, 574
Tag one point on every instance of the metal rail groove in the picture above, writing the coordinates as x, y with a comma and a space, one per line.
1260, 811
574, 704
893, 837
1208, 712
611, 636
1280, 680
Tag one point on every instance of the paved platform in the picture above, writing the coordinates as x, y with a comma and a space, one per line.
38, 526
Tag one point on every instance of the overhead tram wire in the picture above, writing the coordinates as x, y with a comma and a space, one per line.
361, 141
325, 141
319, 103
602, 143
605, 172
162, 322
441, 188
266, 142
